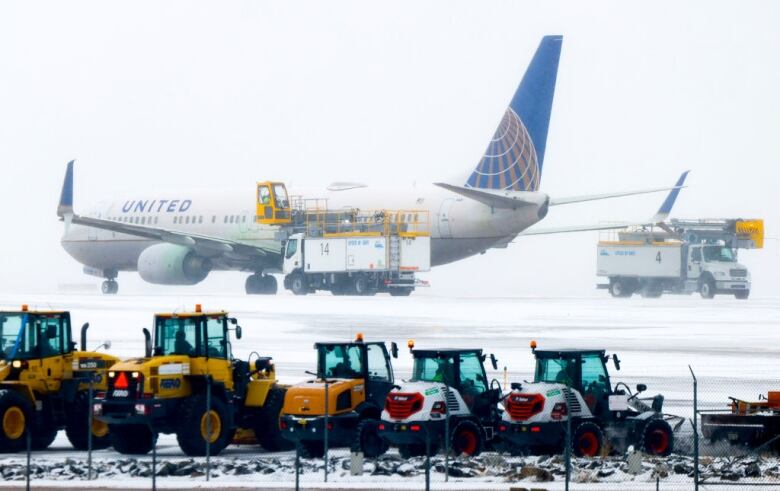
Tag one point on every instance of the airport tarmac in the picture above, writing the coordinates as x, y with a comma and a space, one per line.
731, 344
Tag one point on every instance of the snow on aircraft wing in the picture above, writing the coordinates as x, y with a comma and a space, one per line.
188, 239
661, 215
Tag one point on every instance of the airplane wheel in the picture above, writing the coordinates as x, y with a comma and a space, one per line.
109, 287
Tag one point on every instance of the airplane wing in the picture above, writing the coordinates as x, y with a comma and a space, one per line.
201, 243
594, 197
661, 215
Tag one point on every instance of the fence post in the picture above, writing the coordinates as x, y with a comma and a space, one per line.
297, 467
427, 458
567, 447
89, 430
695, 430
29, 449
447, 437
154, 460
325, 436
208, 428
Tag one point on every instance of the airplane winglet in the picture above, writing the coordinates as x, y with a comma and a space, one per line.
65, 206
666, 206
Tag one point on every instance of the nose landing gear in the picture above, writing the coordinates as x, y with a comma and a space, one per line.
110, 287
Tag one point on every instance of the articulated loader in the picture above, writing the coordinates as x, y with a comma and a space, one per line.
351, 384
189, 384
44, 381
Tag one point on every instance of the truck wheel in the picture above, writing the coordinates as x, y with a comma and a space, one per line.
76, 422
360, 285
407, 451
587, 441
131, 439
620, 288
267, 431
298, 284
311, 449
657, 438
466, 439
707, 288
14, 415
194, 430
400, 292
367, 439
743, 295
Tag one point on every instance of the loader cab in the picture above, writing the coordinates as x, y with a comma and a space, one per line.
461, 369
193, 335
583, 370
30, 335
358, 360
273, 204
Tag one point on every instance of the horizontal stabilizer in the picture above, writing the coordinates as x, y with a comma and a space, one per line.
593, 197
498, 198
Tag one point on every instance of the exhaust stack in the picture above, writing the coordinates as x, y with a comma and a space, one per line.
147, 343
84, 336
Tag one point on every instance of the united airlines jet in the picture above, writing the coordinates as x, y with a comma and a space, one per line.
179, 239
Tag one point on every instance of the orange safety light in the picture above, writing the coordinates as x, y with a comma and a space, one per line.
198, 308
121, 381
533, 344
359, 337
25, 307
410, 343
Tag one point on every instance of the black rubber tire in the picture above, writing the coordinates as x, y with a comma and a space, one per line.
400, 292
131, 439
76, 422
10, 399
311, 449
251, 285
620, 288
743, 295
109, 287
270, 285
648, 293
367, 439
360, 285
269, 434
657, 438
407, 451
298, 284
466, 439
189, 435
588, 440
42, 438
707, 288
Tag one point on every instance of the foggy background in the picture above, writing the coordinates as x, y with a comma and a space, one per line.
150, 96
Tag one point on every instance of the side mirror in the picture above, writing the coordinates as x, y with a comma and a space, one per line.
233, 320
641, 388
394, 349
107, 344
493, 361
238, 332
616, 361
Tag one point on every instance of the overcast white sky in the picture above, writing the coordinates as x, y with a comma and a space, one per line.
166, 95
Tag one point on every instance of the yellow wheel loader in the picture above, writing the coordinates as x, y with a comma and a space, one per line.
358, 376
189, 384
44, 381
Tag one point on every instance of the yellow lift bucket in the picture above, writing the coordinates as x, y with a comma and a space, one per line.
752, 230
273, 204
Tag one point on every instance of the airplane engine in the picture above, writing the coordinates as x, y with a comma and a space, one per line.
170, 264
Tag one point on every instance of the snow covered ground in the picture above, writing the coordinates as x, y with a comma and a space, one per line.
732, 345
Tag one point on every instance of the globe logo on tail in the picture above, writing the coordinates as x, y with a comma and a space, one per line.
510, 159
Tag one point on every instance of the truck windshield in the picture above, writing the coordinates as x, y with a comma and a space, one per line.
28, 336
720, 254
177, 336
340, 361
554, 370
434, 369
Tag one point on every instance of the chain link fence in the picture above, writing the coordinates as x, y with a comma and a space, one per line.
727, 434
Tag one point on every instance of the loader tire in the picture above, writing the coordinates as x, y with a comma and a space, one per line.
311, 449
132, 439
15, 416
466, 439
367, 439
588, 440
657, 438
42, 438
407, 451
268, 433
193, 432
76, 423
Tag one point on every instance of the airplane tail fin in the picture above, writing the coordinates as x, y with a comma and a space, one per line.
514, 157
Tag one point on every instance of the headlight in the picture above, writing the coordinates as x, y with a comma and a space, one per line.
97, 409
141, 409
16, 364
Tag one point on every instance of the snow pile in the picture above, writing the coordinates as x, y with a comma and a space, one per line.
489, 467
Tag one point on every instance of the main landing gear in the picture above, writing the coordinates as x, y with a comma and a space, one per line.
261, 284
109, 287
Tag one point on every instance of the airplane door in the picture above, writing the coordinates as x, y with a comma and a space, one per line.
445, 231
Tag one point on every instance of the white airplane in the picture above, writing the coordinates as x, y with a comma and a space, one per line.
179, 239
